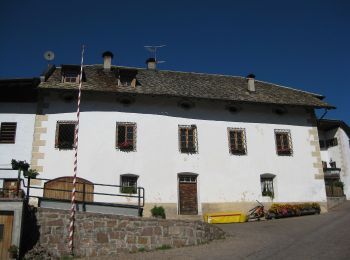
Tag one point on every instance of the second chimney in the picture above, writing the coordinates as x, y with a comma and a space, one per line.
107, 60
151, 63
251, 82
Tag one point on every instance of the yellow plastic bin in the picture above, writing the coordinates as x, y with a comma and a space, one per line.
225, 217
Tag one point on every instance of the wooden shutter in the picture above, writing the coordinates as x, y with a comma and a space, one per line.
8, 133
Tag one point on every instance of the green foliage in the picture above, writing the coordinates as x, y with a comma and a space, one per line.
19, 165
158, 212
268, 193
128, 190
339, 184
164, 247
13, 249
31, 173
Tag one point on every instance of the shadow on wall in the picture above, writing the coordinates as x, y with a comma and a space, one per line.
212, 110
30, 232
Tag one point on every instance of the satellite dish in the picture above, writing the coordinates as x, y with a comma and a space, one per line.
49, 55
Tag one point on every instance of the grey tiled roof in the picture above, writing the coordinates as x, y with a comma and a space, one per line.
187, 85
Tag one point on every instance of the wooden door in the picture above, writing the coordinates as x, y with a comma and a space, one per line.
61, 189
6, 221
188, 204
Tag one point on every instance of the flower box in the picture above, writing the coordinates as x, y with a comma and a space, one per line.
292, 210
125, 146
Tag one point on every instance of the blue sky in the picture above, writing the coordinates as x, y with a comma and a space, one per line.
301, 44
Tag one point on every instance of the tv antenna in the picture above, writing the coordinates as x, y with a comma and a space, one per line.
49, 56
152, 49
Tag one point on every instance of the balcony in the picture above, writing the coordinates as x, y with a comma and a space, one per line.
331, 173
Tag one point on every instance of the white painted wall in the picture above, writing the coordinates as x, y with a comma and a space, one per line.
340, 154
24, 115
345, 160
221, 177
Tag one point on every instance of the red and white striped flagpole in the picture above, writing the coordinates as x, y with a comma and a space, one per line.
72, 214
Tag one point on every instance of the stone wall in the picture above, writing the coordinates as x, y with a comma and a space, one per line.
101, 234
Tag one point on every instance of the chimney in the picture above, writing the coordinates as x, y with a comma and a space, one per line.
251, 82
107, 60
151, 63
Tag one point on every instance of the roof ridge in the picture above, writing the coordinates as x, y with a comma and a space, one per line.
307, 92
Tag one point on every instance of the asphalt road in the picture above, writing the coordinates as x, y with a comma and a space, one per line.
325, 236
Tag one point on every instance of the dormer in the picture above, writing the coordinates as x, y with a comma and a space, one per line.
127, 77
70, 73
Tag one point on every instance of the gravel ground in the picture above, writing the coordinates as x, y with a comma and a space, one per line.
325, 236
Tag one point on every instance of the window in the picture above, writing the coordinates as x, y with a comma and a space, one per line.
128, 183
126, 136
71, 73
187, 178
8, 132
237, 141
322, 144
188, 138
332, 142
65, 134
283, 142
266, 181
70, 77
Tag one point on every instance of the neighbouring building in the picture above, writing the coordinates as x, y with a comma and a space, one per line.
196, 142
18, 104
335, 154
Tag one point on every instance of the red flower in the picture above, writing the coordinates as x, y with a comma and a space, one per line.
125, 144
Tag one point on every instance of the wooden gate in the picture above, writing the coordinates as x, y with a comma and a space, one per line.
61, 189
6, 222
188, 195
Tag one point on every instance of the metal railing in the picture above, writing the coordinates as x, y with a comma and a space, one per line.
139, 196
332, 172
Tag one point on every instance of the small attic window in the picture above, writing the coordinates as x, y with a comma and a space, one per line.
70, 73
71, 77
127, 77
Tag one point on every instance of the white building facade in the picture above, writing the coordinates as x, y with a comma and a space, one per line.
335, 153
192, 151
18, 106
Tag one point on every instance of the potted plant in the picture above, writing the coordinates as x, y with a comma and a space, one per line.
268, 193
158, 212
128, 189
19, 165
31, 173
13, 252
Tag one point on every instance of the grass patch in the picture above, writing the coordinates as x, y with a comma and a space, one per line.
163, 247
